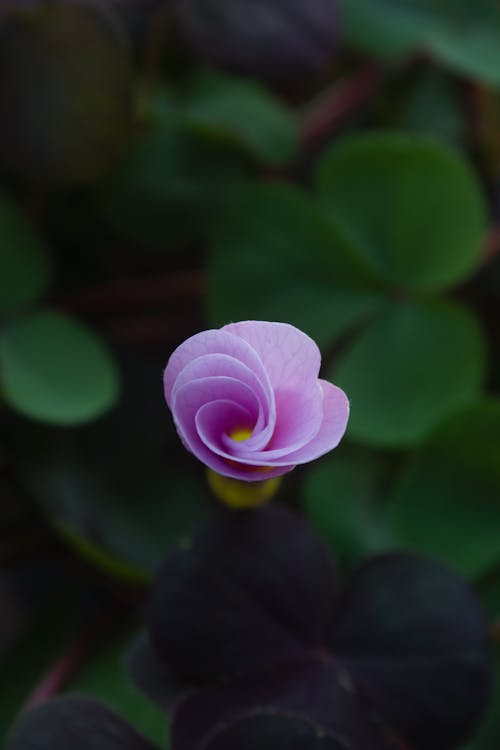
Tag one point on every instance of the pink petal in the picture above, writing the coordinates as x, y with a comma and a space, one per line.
289, 356
214, 365
190, 399
195, 394
299, 416
212, 342
213, 421
217, 418
333, 427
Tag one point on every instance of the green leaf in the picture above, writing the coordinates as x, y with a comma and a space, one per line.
414, 365
471, 47
276, 256
448, 502
433, 108
165, 190
410, 205
121, 490
24, 265
387, 28
52, 368
104, 677
245, 112
341, 499
464, 35
38, 646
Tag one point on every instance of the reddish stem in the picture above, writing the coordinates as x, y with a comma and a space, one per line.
492, 245
68, 663
335, 105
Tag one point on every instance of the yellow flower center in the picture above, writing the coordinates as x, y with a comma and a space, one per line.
240, 435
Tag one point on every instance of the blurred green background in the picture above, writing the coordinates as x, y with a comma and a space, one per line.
171, 166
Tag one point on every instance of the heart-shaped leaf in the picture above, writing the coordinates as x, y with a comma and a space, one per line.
54, 369
313, 689
242, 112
414, 365
341, 499
268, 731
254, 608
447, 503
414, 642
410, 205
463, 35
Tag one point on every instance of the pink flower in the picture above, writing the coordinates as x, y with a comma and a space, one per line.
247, 401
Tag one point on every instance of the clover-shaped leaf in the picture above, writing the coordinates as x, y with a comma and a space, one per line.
246, 612
304, 268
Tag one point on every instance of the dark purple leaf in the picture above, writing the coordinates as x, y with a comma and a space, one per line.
74, 723
414, 640
269, 38
271, 731
246, 612
251, 589
315, 689
150, 674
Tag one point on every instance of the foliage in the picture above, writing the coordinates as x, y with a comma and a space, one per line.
175, 165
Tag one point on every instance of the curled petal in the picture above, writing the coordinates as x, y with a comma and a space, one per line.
333, 426
211, 342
